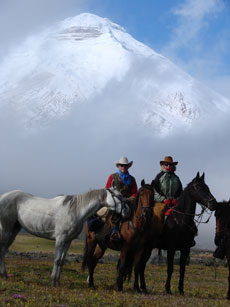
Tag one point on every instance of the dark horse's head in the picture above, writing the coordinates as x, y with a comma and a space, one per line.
202, 194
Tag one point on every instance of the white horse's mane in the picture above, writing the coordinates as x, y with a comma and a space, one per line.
81, 200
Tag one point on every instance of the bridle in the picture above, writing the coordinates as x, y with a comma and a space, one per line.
144, 213
120, 198
204, 207
206, 200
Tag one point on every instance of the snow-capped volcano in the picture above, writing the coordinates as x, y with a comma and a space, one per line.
76, 59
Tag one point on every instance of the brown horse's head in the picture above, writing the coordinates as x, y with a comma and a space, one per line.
222, 215
144, 204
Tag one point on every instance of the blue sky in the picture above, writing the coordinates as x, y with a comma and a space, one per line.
194, 34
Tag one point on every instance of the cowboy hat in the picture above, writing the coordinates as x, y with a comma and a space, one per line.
124, 160
168, 160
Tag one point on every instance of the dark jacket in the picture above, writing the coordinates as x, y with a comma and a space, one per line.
166, 185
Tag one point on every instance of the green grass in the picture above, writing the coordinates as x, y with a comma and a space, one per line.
31, 279
28, 243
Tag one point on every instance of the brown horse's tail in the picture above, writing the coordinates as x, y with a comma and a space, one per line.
128, 266
85, 255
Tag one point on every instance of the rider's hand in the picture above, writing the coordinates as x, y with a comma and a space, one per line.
167, 202
174, 202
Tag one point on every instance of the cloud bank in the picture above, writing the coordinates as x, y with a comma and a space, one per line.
78, 153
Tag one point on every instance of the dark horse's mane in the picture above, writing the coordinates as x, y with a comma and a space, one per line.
183, 197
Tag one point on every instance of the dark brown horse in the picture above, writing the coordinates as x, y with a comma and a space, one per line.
178, 232
131, 233
223, 233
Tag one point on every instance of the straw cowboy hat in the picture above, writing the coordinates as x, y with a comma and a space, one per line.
124, 160
168, 160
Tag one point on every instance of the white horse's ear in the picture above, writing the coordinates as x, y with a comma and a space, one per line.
197, 175
202, 177
142, 182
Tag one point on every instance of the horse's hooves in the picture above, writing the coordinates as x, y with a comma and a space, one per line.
181, 292
118, 288
91, 287
169, 292
5, 276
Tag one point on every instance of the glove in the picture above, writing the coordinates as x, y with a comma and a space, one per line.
167, 213
174, 202
167, 202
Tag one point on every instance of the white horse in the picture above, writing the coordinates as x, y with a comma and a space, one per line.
60, 218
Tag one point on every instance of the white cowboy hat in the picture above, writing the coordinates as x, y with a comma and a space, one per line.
124, 160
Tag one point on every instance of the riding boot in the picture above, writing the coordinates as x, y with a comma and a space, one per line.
220, 251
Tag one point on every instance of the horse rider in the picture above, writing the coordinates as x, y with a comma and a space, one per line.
168, 187
126, 184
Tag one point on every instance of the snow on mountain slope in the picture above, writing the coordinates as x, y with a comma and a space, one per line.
74, 60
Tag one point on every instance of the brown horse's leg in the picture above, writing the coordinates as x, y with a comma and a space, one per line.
93, 262
183, 258
125, 263
138, 263
91, 257
228, 293
142, 269
170, 258
227, 244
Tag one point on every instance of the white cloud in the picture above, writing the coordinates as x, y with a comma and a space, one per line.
193, 16
192, 46
19, 19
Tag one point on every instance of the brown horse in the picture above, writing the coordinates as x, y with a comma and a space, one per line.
178, 232
223, 232
131, 232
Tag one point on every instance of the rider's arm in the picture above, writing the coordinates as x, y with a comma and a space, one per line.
109, 182
134, 189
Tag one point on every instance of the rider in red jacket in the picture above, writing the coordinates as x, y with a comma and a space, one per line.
125, 183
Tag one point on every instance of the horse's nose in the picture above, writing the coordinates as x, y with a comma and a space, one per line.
213, 205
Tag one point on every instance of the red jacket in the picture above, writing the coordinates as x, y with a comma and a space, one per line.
133, 187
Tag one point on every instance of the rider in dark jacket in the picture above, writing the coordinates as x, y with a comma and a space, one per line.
168, 188
167, 185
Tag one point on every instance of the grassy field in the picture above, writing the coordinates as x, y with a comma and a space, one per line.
29, 283
28, 243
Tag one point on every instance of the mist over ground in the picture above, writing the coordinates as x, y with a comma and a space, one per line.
77, 153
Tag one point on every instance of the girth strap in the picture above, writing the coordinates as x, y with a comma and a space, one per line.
132, 226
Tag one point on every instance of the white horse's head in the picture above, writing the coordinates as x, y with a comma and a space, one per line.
116, 202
